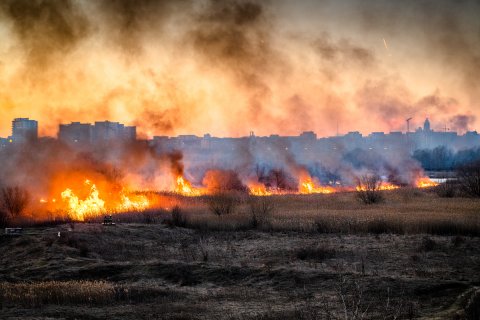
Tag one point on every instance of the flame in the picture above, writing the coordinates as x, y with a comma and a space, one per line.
185, 188
93, 205
307, 186
258, 189
425, 182
383, 186
80, 209
141, 203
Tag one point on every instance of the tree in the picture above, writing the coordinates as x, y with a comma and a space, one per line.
469, 178
368, 188
13, 202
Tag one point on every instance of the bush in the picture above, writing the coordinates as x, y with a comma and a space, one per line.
13, 202
178, 218
446, 189
368, 188
222, 203
469, 179
260, 209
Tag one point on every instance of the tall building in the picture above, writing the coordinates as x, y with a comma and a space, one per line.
113, 131
23, 130
75, 133
426, 125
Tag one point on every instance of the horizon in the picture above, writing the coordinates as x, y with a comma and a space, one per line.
189, 66
338, 134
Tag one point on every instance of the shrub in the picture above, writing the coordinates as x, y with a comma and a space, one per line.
469, 179
178, 218
222, 203
446, 189
260, 209
13, 202
368, 188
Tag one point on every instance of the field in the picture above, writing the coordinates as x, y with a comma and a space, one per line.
415, 255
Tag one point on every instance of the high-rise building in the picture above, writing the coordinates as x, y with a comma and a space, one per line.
113, 131
76, 133
23, 130
426, 125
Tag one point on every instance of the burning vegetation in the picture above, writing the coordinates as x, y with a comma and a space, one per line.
63, 183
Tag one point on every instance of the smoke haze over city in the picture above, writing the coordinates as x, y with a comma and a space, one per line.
195, 67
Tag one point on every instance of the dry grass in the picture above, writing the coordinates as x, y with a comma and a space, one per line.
404, 211
56, 292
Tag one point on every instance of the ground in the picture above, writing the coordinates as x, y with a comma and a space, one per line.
312, 257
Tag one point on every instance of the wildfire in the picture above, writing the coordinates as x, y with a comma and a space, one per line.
258, 189
383, 186
93, 205
184, 187
307, 186
79, 209
425, 182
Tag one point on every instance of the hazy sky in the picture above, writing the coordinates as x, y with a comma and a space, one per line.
229, 67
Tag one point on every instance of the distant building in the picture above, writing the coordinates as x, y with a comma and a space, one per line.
130, 133
76, 133
23, 130
108, 131
3, 142
426, 125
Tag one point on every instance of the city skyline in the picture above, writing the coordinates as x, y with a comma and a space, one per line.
172, 67
408, 128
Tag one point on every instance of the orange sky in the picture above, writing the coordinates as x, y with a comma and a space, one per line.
230, 67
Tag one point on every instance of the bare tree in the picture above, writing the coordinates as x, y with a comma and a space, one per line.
13, 202
368, 188
222, 203
261, 207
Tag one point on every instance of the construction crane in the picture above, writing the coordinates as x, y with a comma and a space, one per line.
408, 124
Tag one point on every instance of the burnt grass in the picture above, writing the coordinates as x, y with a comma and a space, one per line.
384, 269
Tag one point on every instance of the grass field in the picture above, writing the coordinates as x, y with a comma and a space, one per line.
415, 255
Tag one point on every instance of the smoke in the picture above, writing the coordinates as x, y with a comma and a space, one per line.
46, 29
178, 67
462, 123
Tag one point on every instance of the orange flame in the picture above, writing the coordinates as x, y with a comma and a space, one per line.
258, 189
308, 186
93, 205
185, 188
425, 182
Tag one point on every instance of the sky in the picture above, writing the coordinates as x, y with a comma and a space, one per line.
230, 67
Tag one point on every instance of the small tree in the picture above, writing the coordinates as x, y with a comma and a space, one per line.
368, 188
469, 179
222, 203
13, 202
261, 207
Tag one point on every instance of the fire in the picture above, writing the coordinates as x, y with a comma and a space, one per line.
93, 205
425, 182
387, 186
185, 188
383, 186
258, 189
141, 203
307, 186
80, 209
